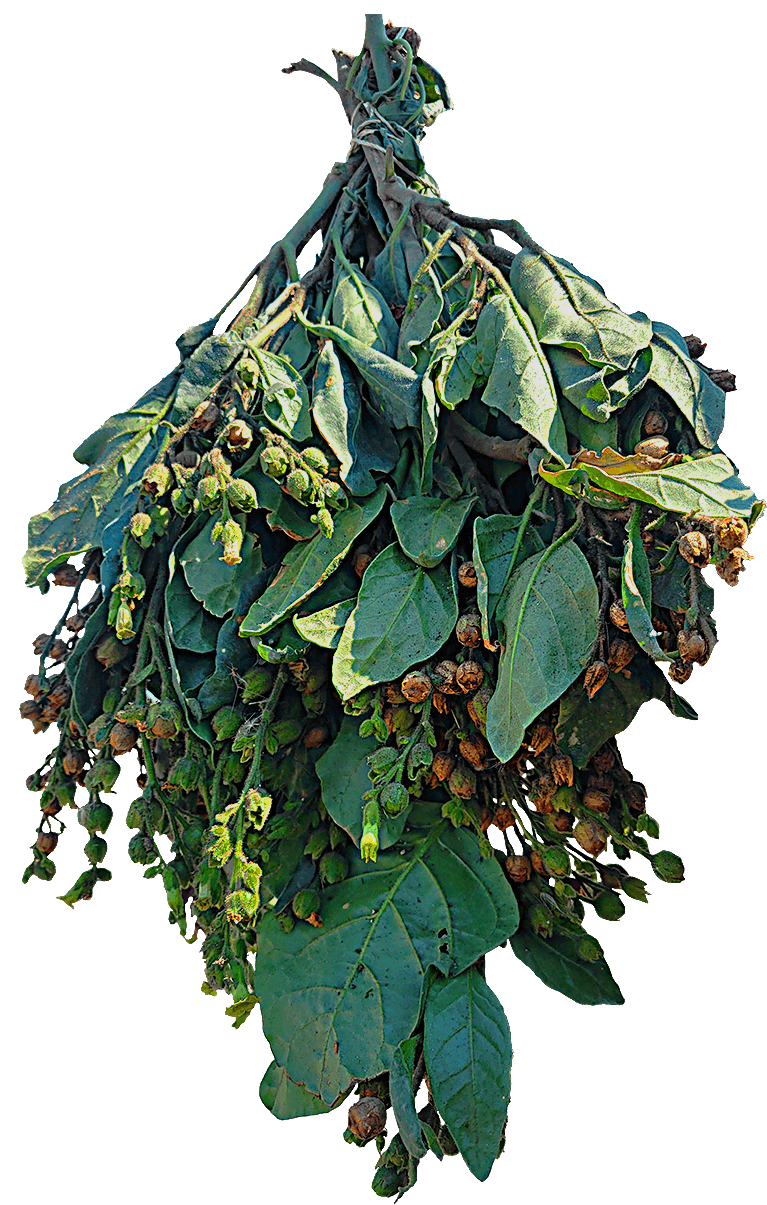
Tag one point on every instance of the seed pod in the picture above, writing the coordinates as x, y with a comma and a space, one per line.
316, 735
33, 686
635, 796
621, 654
695, 548
603, 760
618, 616
561, 822
95, 816
600, 782
58, 650
257, 683
692, 645
110, 651
416, 686
595, 678
333, 867
609, 906
477, 706
731, 533
442, 766
462, 782
209, 492
394, 798
286, 732
239, 436
361, 559
165, 722
467, 575
475, 750
469, 629
668, 867
297, 484
122, 738
470, 676
561, 767
75, 623
140, 527
695, 346
334, 495
680, 671
723, 378
367, 1117
732, 566
184, 775
157, 480
274, 462
563, 799
73, 761
446, 675
537, 863
540, 738
66, 575
518, 868
205, 417
656, 448
316, 459
590, 836
557, 862
597, 801
306, 903
226, 722
317, 843
654, 423
589, 949
241, 494
46, 842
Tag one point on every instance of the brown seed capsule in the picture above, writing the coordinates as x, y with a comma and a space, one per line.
462, 782
561, 822
590, 836
39, 643
475, 750
654, 423
538, 863
122, 738
724, 379
361, 558
66, 575
596, 676
73, 761
597, 801
33, 686
238, 436
731, 533
470, 676
441, 703
542, 803
60, 693
655, 448
636, 797
58, 650
76, 622
561, 767
692, 645
469, 629
680, 671
30, 710
446, 673
540, 738
47, 842
467, 575
732, 566
618, 616
603, 760
620, 655
52, 809
316, 735
205, 417
518, 868
695, 346
367, 1117
416, 686
600, 782
394, 694
695, 548
648, 540
503, 818
442, 766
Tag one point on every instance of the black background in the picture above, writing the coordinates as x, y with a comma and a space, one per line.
172, 163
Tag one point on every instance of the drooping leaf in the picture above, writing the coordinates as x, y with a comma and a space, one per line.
428, 528
424, 306
117, 455
286, 1100
343, 772
597, 392
404, 614
203, 370
361, 311
403, 1097
547, 621
305, 567
498, 547
212, 582
467, 1046
337, 1000
557, 963
325, 627
89, 685
285, 398
707, 485
636, 590
454, 368
692, 390
190, 626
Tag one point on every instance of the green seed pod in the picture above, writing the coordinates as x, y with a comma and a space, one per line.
298, 484
333, 867
274, 462
102, 776
95, 850
96, 816
317, 843
157, 480
226, 723
305, 903
241, 495
181, 501
609, 906
668, 867
462, 782
257, 683
556, 861
324, 521
564, 799
589, 949
315, 459
140, 528
334, 494
110, 651
142, 849
541, 921
285, 732
184, 774
209, 493
394, 798
388, 1181
164, 720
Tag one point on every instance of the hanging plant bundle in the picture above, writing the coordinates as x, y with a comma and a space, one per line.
380, 572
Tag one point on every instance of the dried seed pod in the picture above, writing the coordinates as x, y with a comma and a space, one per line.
33, 686
731, 533
446, 675
695, 346
590, 836
654, 423
635, 796
58, 650
503, 818
545, 786
75, 623
540, 738
239, 436
596, 676
542, 804
361, 558
66, 575
621, 654
470, 676
597, 801
30, 710
467, 575
416, 686
442, 766
47, 842
316, 735
122, 738
468, 630
603, 760
648, 539
695, 548
538, 863
561, 822
692, 645
462, 782
680, 671
600, 782
618, 616
732, 566
724, 379
561, 767
475, 750
73, 761
518, 868
440, 702
39, 643
205, 417
52, 809
655, 448
367, 1117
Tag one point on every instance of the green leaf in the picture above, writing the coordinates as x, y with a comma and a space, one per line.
636, 590
325, 627
467, 1046
424, 306
695, 394
597, 392
570, 310
337, 1000
548, 623
707, 485
203, 371
495, 552
520, 384
555, 960
403, 1098
189, 625
286, 1100
588, 432
404, 615
428, 528
306, 566
361, 311
454, 368
117, 455
343, 772
285, 399
362, 443
212, 582
585, 724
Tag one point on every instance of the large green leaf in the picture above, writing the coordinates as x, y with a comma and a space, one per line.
203, 370
212, 582
467, 1047
556, 961
285, 399
636, 590
499, 545
424, 306
324, 627
117, 455
428, 528
343, 772
570, 310
547, 620
597, 392
361, 311
693, 391
361, 441
520, 384
189, 625
286, 1100
404, 615
306, 566
337, 1000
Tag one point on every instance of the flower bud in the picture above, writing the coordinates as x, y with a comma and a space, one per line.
467, 575
590, 836
668, 867
730, 533
470, 676
621, 654
596, 676
315, 459
241, 494
518, 868
695, 548
274, 462
324, 521
469, 629
298, 485
367, 1117
416, 686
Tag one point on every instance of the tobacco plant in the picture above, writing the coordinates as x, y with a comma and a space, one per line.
377, 572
